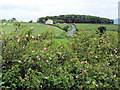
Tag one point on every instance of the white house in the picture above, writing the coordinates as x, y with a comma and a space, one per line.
49, 21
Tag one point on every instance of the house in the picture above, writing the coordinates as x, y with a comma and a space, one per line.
49, 21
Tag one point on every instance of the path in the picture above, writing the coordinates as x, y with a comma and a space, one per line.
71, 32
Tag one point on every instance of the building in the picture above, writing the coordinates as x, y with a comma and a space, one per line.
49, 21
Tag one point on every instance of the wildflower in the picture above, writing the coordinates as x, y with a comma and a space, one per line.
32, 60
98, 45
23, 47
44, 49
39, 35
48, 27
61, 47
62, 57
23, 80
60, 60
32, 36
100, 40
40, 66
105, 44
2, 33
25, 39
19, 61
4, 24
101, 37
70, 43
76, 76
95, 56
46, 77
96, 64
26, 35
44, 58
85, 61
59, 53
84, 70
96, 84
37, 56
9, 43
41, 86
76, 58
91, 52
33, 51
32, 27
82, 62
78, 39
18, 39
40, 54
73, 47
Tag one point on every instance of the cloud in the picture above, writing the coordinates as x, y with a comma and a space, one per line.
32, 9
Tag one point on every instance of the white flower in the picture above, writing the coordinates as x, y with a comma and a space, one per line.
96, 84
96, 57
32, 36
32, 27
19, 61
46, 77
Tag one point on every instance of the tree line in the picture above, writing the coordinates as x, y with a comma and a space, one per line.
76, 19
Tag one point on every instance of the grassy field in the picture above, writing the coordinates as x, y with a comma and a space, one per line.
63, 25
95, 26
38, 28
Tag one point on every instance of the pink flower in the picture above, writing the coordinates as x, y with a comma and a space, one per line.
2, 33
91, 52
59, 53
38, 83
37, 56
62, 57
96, 64
41, 86
39, 35
98, 45
32, 36
73, 47
30, 40
32, 27
40, 54
33, 51
32, 60
17, 36
44, 49
9, 43
25, 39
76, 58
82, 62
95, 56
47, 61
101, 37
70, 43
26, 35
48, 27
61, 47
105, 44
84, 70
23, 47
40, 66
18, 39
23, 80
85, 61
44, 58
76, 76
60, 60
39, 59
100, 40
78, 39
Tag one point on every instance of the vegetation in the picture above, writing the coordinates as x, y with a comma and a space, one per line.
35, 58
76, 19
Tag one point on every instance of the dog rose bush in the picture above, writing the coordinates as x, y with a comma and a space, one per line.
85, 61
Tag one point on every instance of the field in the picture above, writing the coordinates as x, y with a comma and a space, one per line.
95, 26
42, 59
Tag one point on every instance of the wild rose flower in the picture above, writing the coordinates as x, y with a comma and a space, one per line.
37, 56
76, 76
32, 27
23, 80
26, 35
96, 64
78, 39
76, 58
40, 54
32, 60
32, 36
23, 47
39, 35
48, 27
25, 39
30, 40
62, 57
95, 56
82, 62
91, 52
84, 70
73, 47
47, 61
59, 53
85, 61
61, 47
98, 45
40, 66
105, 44
44, 49
101, 37
2, 33
100, 40
44, 58
70, 43
9, 43
46, 77
41, 86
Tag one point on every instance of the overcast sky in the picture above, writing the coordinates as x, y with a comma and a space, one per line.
27, 10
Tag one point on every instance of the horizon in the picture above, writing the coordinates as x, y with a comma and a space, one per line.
24, 11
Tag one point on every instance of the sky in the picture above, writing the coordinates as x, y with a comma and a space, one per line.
26, 10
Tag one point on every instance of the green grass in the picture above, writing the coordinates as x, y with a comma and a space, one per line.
95, 26
38, 28
63, 25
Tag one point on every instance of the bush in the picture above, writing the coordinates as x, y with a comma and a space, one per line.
85, 61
